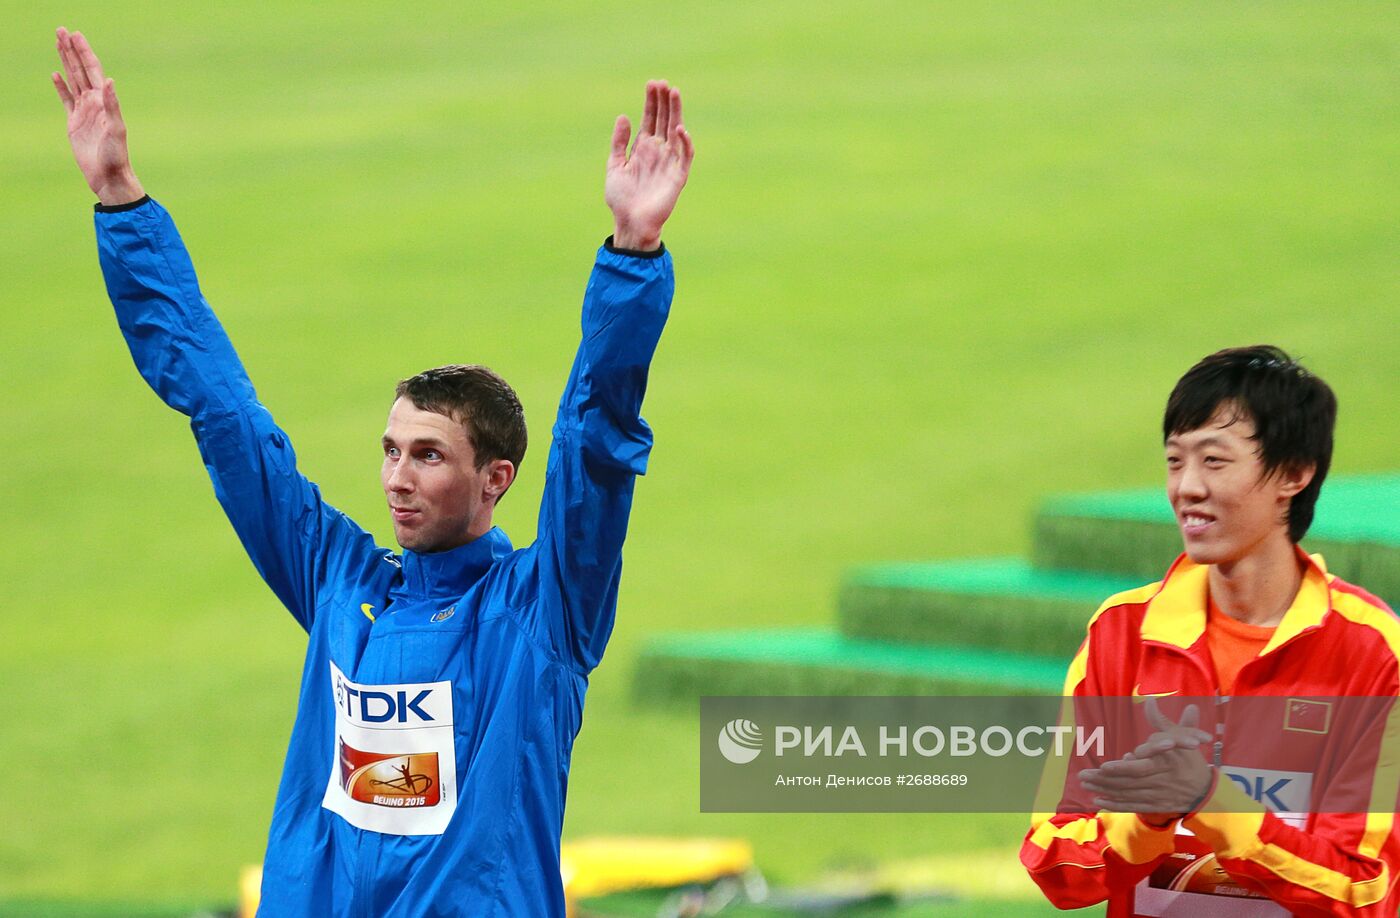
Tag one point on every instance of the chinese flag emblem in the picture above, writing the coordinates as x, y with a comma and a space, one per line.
1305, 716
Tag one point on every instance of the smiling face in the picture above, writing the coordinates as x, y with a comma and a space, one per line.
1227, 507
439, 499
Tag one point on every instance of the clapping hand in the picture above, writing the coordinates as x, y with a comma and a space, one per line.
1164, 778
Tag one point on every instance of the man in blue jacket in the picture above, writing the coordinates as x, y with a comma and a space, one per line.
443, 686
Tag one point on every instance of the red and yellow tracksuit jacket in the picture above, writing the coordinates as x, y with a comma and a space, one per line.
1335, 641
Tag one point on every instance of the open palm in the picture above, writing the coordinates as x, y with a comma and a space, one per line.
95, 126
642, 188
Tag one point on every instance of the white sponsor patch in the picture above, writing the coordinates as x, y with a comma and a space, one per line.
1287, 794
394, 768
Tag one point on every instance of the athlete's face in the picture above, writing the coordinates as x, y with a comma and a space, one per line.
437, 496
1225, 505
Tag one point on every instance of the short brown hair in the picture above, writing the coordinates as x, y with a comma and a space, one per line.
478, 399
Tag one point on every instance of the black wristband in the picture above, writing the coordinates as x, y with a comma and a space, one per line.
1205, 794
118, 208
634, 253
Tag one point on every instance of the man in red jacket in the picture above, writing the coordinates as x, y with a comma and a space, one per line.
1272, 795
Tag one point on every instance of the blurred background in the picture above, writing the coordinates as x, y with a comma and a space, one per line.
935, 262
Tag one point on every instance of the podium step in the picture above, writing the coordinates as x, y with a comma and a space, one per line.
990, 603
683, 667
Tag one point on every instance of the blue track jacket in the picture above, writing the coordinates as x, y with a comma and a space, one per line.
441, 692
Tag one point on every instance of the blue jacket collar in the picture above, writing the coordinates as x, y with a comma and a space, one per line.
452, 572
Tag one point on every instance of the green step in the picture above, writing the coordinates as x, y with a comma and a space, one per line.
990, 603
1133, 533
683, 667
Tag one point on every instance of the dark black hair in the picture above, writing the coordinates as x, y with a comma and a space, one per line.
478, 399
1294, 413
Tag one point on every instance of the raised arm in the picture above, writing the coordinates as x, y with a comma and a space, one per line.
183, 353
600, 440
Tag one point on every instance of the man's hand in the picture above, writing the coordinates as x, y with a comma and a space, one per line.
95, 126
1163, 779
642, 188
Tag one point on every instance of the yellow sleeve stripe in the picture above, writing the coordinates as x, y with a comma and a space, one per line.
1079, 666
1230, 824
1385, 783
1330, 883
1134, 840
1052, 779
1129, 837
1355, 609
1077, 669
1081, 831
1131, 597
1385, 788
1377, 831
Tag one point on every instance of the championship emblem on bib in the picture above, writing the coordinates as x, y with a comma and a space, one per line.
394, 764
390, 780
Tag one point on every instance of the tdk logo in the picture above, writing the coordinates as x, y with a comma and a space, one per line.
406, 706
381, 707
1283, 792
1267, 795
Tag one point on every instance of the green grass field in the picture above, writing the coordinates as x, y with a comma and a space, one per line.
936, 261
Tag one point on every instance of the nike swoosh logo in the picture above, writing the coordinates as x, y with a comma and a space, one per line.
1139, 696
367, 608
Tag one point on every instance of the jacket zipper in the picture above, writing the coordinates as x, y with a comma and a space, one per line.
1217, 748
364, 885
